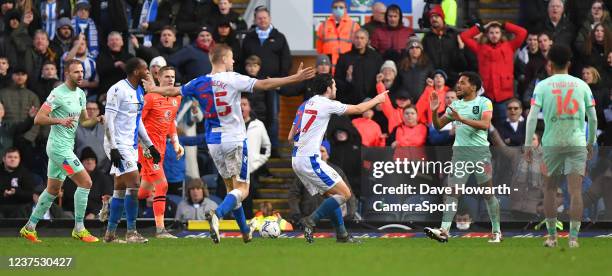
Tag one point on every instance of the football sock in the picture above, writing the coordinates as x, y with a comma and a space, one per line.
241, 219
117, 205
131, 208
80, 204
326, 209
574, 228
229, 203
449, 214
551, 226
44, 203
338, 222
493, 210
159, 205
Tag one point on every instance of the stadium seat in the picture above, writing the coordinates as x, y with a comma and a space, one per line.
174, 198
215, 198
210, 180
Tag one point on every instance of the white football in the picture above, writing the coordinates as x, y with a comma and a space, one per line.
270, 229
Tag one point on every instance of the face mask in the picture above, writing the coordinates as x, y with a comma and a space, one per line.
338, 12
463, 225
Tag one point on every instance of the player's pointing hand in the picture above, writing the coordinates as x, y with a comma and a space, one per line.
382, 97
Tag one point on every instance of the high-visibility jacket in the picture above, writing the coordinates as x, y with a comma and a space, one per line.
332, 40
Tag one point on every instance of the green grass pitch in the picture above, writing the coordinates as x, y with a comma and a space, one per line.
417, 256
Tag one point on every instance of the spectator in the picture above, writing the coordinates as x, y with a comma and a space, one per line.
49, 80
37, 55
384, 81
5, 77
16, 38
596, 47
524, 176
557, 24
5, 7
356, 71
156, 64
252, 66
90, 76
31, 16
82, 24
197, 204
192, 61
187, 117
415, 68
578, 10
323, 66
92, 137
225, 34
598, 15
600, 189
377, 19
62, 41
591, 76
113, 16
410, 133
443, 47
101, 185
54, 212
8, 131
266, 42
392, 38
435, 85
512, 131
496, 61
111, 62
530, 14
345, 143
18, 102
369, 130
50, 12
165, 48
302, 203
259, 148
193, 14
335, 33
526, 54
536, 68
16, 185
226, 14
446, 135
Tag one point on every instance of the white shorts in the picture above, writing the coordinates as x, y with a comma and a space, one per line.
315, 174
129, 162
231, 159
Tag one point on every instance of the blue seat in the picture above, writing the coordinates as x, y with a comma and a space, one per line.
174, 198
210, 180
216, 199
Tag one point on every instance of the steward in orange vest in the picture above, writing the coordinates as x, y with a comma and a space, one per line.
335, 37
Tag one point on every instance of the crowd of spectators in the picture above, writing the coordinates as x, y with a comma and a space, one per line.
38, 36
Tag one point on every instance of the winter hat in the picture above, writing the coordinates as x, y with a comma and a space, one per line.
389, 64
437, 9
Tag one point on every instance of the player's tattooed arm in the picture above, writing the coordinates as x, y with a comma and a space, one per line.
42, 118
302, 74
150, 87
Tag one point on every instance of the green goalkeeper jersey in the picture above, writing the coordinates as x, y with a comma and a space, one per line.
64, 103
564, 100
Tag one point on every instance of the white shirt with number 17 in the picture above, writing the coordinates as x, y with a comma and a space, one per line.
310, 124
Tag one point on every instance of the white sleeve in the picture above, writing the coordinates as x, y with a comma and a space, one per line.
336, 107
243, 83
110, 113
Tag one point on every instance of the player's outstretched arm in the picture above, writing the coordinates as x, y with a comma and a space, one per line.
42, 118
87, 122
150, 87
302, 74
365, 106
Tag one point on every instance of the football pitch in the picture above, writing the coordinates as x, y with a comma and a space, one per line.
393, 256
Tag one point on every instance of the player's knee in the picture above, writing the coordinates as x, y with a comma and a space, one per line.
53, 190
161, 189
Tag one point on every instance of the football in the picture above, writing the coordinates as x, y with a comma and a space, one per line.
270, 229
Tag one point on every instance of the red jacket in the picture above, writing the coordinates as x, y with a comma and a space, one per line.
496, 62
422, 106
384, 38
394, 114
371, 135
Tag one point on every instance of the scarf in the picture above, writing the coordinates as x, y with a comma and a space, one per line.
206, 48
148, 14
263, 34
